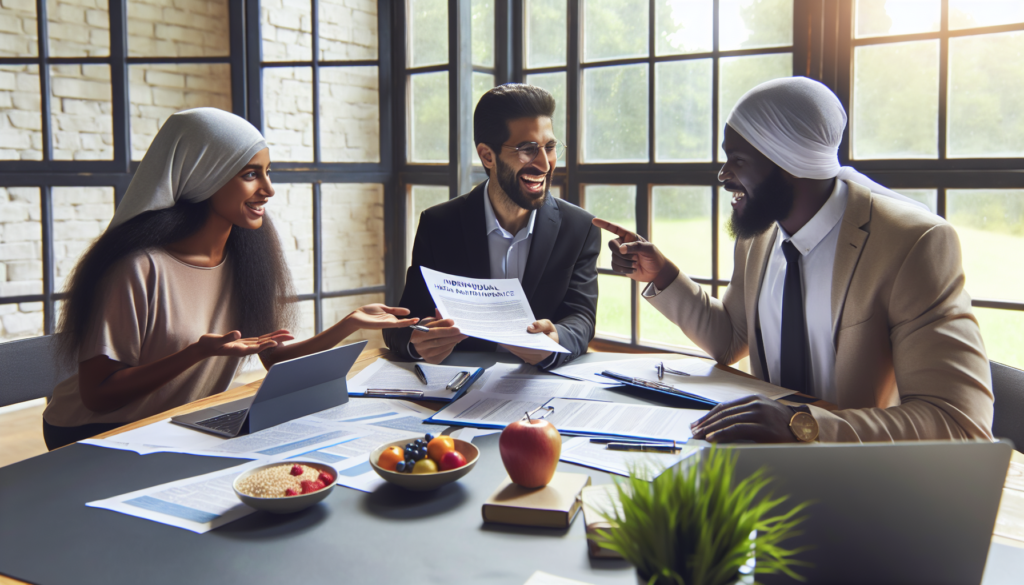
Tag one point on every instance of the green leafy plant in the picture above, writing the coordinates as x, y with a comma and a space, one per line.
691, 526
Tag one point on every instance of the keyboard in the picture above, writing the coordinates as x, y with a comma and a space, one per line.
229, 422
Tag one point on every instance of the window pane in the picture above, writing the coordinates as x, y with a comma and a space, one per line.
555, 191
615, 203
929, 197
989, 221
614, 29
682, 115
751, 24
156, 91
428, 129
681, 227
422, 197
656, 328
738, 75
546, 33
158, 28
897, 17
726, 243
972, 13
349, 114
482, 83
615, 124
1003, 332
288, 113
80, 112
21, 247
21, 321
348, 30
683, 26
18, 30
483, 32
291, 210
554, 83
306, 322
986, 89
80, 214
890, 122
77, 29
21, 119
353, 236
428, 32
287, 30
614, 318
337, 308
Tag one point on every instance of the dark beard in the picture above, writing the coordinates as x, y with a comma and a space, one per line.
508, 180
769, 202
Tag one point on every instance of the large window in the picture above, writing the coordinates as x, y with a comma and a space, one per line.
934, 91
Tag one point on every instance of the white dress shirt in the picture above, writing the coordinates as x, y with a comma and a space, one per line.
508, 252
816, 242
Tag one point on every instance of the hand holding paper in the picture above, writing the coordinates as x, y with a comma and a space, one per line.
492, 309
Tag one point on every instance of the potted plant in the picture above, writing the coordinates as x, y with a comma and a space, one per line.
692, 526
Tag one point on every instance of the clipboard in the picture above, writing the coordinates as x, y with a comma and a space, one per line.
474, 375
662, 388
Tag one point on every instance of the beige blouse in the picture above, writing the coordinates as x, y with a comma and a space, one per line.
154, 305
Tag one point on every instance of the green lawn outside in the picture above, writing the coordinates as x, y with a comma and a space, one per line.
687, 243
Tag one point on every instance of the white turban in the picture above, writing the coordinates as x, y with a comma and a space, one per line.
798, 124
195, 153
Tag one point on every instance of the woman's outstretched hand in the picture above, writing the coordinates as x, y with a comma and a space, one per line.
234, 345
378, 316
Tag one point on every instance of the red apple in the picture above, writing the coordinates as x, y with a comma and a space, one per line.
530, 449
452, 460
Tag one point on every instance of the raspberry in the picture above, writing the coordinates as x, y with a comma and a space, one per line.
296, 470
311, 486
290, 492
325, 478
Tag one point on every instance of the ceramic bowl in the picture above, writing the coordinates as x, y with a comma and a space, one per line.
423, 482
285, 504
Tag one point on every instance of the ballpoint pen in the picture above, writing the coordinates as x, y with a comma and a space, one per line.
420, 373
419, 327
457, 382
602, 441
395, 393
640, 382
661, 369
645, 447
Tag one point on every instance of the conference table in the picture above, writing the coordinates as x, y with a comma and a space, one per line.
48, 535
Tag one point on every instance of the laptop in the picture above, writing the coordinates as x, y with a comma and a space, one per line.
291, 390
912, 512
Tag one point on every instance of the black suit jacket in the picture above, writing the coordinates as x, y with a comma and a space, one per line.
560, 280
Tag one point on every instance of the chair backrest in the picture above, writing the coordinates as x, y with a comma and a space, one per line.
28, 369
1008, 387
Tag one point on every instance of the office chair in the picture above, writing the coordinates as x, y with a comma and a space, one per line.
1008, 419
28, 369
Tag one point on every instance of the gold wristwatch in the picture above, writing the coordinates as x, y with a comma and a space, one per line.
802, 424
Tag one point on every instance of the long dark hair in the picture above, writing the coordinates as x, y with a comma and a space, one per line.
262, 283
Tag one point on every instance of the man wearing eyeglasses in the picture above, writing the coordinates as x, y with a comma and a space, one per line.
508, 227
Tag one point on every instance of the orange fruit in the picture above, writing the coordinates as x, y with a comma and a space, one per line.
390, 457
438, 446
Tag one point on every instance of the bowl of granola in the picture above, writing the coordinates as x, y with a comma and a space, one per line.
285, 487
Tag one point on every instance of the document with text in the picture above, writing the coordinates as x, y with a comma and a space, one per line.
493, 309
616, 419
581, 451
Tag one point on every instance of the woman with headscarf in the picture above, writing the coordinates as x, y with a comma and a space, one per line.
187, 280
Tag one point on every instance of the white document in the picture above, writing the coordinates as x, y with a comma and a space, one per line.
704, 379
199, 503
385, 375
581, 451
160, 437
304, 434
365, 409
506, 396
626, 420
542, 578
492, 309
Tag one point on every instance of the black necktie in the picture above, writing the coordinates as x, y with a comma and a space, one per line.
794, 331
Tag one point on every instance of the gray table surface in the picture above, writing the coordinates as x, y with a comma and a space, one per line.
48, 535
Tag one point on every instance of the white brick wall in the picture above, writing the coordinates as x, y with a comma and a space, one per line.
80, 214
288, 112
178, 28
292, 211
20, 261
20, 119
349, 114
81, 112
353, 236
157, 90
348, 29
18, 28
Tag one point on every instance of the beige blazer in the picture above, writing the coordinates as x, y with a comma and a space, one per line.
910, 361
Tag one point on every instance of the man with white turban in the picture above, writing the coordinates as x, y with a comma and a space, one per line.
841, 289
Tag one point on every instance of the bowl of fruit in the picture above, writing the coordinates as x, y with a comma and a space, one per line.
285, 487
424, 464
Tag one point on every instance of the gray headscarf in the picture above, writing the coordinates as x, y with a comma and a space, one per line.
195, 153
798, 124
